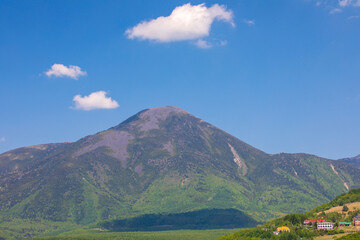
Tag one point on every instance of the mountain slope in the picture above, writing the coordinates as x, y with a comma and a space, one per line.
163, 160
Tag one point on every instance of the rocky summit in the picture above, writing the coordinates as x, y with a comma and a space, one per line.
163, 160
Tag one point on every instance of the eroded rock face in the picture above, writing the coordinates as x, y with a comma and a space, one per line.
237, 159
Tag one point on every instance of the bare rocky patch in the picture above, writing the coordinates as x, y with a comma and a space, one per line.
117, 141
138, 169
237, 159
152, 118
169, 147
345, 184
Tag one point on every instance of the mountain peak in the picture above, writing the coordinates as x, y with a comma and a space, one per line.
153, 116
166, 110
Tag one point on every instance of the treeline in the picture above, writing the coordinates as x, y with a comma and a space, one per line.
202, 219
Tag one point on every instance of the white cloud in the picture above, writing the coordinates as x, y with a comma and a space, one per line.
203, 44
335, 10
186, 22
249, 22
96, 100
60, 70
346, 3
3, 139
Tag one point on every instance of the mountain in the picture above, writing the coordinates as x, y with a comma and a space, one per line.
163, 160
352, 160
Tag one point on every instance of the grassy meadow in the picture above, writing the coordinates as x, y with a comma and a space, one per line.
94, 234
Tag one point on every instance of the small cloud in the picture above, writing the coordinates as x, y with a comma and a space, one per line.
249, 22
203, 44
318, 3
96, 100
60, 70
3, 139
335, 10
186, 22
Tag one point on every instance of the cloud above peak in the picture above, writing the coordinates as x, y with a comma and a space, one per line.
186, 22
96, 100
60, 70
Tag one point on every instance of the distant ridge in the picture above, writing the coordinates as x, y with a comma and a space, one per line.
352, 160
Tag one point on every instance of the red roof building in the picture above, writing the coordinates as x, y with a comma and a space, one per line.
312, 222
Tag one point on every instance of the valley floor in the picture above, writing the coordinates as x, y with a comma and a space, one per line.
94, 234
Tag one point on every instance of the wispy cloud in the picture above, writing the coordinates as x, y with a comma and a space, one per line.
343, 3
60, 70
249, 22
203, 44
354, 17
186, 22
223, 43
346, 3
96, 100
3, 139
336, 6
335, 10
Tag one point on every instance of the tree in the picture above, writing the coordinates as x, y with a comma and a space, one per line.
345, 208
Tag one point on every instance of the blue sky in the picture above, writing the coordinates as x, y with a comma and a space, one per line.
283, 76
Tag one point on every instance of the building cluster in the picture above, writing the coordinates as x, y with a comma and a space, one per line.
321, 225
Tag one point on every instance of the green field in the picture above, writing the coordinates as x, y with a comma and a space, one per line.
92, 234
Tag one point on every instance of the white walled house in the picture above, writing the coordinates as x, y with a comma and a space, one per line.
325, 225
